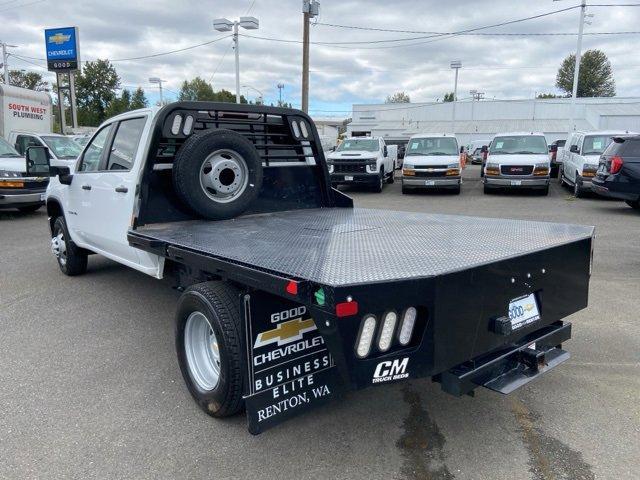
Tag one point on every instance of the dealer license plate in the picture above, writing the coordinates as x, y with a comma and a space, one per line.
429, 183
348, 178
42, 197
523, 311
516, 183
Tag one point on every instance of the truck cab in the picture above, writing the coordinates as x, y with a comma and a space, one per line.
581, 156
63, 150
432, 161
517, 160
362, 161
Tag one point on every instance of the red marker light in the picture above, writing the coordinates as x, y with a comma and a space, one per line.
292, 288
346, 309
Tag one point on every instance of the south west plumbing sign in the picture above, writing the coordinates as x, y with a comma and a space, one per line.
63, 49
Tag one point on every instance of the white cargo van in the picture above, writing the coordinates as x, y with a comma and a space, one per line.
431, 160
580, 157
517, 160
24, 110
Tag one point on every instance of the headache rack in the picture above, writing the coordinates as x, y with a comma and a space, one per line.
295, 172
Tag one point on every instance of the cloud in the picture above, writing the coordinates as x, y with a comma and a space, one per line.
500, 66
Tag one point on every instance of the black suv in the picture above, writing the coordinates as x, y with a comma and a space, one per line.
618, 174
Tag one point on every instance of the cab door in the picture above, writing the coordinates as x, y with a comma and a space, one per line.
113, 189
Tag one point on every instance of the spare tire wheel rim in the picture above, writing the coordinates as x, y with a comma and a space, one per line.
224, 176
202, 351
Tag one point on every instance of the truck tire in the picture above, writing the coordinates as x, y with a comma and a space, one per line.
71, 259
405, 190
545, 191
578, 191
456, 190
217, 174
560, 175
486, 190
380, 184
209, 347
633, 204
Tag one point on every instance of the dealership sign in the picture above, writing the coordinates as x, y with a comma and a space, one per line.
63, 52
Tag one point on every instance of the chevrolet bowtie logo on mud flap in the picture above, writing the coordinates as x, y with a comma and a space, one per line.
286, 332
59, 38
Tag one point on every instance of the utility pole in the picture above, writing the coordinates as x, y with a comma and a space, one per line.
280, 87
576, 68
310, 9
5, 61
224, 25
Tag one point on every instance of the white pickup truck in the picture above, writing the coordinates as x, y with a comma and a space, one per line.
290, 295
363, 161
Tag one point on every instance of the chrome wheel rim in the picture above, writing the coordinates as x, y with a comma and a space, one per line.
59, 248
224, 176
202, 351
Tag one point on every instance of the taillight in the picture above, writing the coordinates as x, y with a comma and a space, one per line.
616, 164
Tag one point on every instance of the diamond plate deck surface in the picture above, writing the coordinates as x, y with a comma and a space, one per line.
342, 246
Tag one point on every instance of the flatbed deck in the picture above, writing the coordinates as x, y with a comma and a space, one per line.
344, 246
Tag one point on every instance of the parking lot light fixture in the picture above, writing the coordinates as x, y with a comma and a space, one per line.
225, 25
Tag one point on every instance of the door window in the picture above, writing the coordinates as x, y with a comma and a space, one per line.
25, 141
125, 144
93, 152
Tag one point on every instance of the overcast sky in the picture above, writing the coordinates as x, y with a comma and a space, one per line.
500, 66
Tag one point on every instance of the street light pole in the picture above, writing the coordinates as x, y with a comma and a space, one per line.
576, 68
310, 9
159, 81
224, 25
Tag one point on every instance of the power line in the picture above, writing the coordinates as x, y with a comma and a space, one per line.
23, 5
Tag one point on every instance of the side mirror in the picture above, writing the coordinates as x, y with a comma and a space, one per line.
386, 151
484, 149
37, 161
553, 148
574, 149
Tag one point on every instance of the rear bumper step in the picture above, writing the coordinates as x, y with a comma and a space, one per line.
509, 369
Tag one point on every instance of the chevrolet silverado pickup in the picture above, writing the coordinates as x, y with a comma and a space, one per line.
290, 296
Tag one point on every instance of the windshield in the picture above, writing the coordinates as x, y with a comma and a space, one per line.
63, 147
595, 145
368, 145
432, 146
519, 145
6, 150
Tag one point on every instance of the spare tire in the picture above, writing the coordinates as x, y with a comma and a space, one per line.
217, 174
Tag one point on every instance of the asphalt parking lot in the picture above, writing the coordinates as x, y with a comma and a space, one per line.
90, 386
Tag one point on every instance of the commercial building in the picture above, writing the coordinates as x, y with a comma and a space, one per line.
471, 120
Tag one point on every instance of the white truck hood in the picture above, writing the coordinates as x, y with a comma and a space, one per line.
13, 164
520, 159
352, 155
430, 160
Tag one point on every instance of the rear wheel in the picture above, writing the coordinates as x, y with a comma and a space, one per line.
72, 260
208, 345
633, 204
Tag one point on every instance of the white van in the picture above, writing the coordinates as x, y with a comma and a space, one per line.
517, 160
580, 157
362, 161
432, 160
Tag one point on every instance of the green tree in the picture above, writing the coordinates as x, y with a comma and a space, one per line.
30, 80
548, 95
398, 97
138, 99
119, 105
448, 97
595, 78
200, 90
96, 88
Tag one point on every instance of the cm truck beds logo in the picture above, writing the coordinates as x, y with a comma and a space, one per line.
391, 370
285, 332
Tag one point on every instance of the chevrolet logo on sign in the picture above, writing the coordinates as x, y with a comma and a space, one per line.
59, 38
286, 332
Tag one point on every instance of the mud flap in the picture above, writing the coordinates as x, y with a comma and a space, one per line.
289, 367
